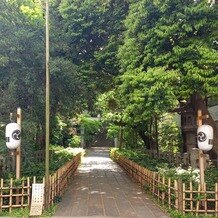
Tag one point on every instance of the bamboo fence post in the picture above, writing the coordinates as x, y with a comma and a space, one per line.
205, 198
49, 191
198, 202
153, 182
139, 174
191, 196
147, 179
34, 179
183, 198
144, 176
11, 195
150, 179
28, 190
22, 194
133, 170
180, 195
1, 192
59, 182
52, 189
158, 186
164, 190
176, 195
169, 193
216, 199
55, 185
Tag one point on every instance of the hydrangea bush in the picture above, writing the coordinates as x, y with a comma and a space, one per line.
190, 174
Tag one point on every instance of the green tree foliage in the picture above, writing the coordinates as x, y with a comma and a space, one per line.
169, 133
94, 31
22, 49
168, 53
142, 98
180, 35
159, 51
91, 127
22, 52
21, 71
147, 94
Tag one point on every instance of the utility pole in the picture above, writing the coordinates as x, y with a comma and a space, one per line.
47, 114
47, 108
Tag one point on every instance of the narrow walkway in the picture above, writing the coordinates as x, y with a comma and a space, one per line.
101, 188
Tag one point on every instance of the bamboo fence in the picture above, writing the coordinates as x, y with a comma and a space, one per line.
186, 198
17, 193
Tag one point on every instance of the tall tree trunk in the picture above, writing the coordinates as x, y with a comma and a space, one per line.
145, 139
156, 134
121, 138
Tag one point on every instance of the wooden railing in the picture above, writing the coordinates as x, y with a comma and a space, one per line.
186, 198
17, 193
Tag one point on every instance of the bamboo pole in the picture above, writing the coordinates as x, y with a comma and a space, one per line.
216, 199
1, 193
169, 192
47, 91
47, 112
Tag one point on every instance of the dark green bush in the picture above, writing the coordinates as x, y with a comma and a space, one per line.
142, 159
59, 156
167, 169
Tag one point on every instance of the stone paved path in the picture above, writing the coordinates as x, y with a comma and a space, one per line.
101, 188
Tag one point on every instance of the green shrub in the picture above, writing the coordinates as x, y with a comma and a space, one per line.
169, 133
91, 127
59, 156
211, 177
75, 141
142, 159
177, 173
112, 131
60, 131
167, 169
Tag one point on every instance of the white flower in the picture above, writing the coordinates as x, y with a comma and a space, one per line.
180, 171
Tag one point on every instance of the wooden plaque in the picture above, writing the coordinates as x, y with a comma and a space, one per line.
37, 199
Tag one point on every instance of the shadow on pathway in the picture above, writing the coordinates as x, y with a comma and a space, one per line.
101, 188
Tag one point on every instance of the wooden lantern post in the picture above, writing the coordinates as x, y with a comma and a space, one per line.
201, 154
18, 150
